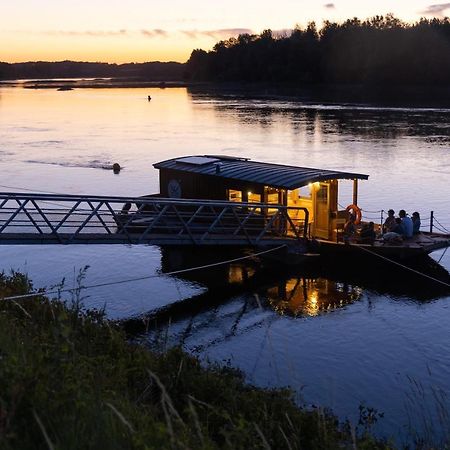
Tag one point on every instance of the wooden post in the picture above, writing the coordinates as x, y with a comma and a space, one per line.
431, 221
355, 191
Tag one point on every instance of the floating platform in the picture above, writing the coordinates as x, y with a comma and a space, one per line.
419, 245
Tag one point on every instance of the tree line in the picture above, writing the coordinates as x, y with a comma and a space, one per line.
381, 50
155, 71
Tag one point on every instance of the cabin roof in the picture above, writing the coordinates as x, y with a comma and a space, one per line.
242, 169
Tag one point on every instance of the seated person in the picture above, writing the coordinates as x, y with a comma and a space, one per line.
396, 235
349, 228
368, 233
407, 224
392, 238
398, 228
389, 223
416, 222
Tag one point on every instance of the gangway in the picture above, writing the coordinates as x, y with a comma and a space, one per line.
82, 219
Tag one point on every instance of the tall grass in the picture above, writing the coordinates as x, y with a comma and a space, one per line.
70, 380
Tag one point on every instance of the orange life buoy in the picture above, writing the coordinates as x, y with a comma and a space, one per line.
356, 211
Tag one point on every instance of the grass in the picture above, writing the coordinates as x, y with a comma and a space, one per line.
70, 380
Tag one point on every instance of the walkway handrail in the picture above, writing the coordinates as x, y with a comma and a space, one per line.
67, 218
144, 199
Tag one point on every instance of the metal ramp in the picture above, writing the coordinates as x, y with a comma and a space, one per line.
73, 219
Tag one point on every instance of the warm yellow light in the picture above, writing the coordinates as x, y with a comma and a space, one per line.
249, 192
316, 184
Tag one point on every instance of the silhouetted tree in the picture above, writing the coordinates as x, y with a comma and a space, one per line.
381, 50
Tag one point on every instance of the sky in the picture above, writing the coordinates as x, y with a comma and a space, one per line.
167, 30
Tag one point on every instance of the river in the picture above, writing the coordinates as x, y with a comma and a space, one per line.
338, 341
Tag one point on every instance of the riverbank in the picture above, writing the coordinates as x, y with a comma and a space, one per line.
418, 96
71, 380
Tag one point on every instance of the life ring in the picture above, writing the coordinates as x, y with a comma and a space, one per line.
356, 211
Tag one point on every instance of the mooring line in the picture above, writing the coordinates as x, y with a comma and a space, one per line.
405, 267
147, 277
443, 253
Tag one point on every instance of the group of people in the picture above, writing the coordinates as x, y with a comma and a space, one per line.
402, 226
394, 228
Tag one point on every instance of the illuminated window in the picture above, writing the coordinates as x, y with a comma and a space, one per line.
272, 195
234, 196
254, 198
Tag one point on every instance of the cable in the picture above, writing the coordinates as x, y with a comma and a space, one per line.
439, 223
372, 212
439, 228
148, 277
37, 190
404, 267
443, 253
30, 190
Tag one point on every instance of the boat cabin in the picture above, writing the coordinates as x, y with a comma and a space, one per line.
211, 177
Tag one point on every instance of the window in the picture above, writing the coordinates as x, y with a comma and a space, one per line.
234, 196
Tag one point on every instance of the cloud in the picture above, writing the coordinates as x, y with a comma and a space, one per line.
157, 32
329, 5
91, 33
223, 33
436, 10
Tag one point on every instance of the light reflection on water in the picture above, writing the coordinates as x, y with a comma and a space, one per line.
342, 342
309, 297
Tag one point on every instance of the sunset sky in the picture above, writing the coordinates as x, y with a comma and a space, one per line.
149, 30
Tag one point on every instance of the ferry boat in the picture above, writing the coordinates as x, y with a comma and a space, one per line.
310, 196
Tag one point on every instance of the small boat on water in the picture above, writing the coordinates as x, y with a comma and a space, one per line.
309, 197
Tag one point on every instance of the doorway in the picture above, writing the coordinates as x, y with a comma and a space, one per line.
322, 211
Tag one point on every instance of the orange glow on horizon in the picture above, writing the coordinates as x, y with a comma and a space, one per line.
111, 49
110, 31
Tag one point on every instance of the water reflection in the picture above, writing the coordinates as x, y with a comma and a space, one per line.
367, 122
304, 291
309, 297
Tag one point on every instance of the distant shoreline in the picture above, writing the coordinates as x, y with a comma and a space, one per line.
98, 83
410, 95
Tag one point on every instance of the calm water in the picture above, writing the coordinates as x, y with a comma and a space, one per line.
339, 341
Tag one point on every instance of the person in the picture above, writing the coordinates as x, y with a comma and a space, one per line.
349, 228
368, 234
416, 222
389, 223
395, 236
407, 224
398, 228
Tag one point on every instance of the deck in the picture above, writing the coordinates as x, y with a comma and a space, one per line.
419, 245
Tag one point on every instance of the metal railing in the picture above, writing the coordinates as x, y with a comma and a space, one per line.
66, 219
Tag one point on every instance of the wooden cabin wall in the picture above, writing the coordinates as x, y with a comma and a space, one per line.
208, 187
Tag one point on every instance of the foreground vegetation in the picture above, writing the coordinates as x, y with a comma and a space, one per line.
70, 380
